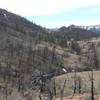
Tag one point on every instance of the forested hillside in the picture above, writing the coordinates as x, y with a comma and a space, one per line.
31, 55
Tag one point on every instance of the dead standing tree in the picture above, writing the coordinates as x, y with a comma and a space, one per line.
93, 64
8, 62
20, 68
62, 90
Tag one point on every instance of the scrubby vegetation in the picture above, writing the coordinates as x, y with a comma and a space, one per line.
32, 58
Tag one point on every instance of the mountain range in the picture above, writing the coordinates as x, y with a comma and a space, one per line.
20, 30
93, 28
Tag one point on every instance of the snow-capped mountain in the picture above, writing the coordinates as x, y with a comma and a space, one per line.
93, 28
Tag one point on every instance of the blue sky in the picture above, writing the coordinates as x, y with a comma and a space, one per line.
56, 13
89, 15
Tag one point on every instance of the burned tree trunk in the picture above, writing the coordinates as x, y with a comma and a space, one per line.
92, 86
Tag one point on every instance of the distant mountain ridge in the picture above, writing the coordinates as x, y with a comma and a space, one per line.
74, 31
93, 28
19, 29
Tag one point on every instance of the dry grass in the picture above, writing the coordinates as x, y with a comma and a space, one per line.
85, 82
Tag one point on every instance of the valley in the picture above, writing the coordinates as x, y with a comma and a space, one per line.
37, 63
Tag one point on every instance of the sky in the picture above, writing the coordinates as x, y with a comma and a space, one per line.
56, 13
